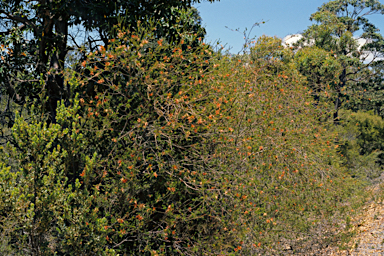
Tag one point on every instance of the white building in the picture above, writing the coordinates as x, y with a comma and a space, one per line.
365, 56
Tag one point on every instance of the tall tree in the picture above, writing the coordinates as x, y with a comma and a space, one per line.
36, 36
343, 29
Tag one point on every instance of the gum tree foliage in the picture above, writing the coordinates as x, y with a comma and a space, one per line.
36, 36
371, 94
320, 68
340, 25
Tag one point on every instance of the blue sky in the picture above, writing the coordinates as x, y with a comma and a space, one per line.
282, 18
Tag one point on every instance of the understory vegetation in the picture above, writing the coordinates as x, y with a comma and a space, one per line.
160, 145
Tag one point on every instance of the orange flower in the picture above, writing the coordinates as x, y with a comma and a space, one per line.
83, 173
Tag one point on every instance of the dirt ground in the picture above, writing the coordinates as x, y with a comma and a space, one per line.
369, 226
370, 230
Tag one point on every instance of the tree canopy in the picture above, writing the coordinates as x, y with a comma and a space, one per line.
36, 37
343, 29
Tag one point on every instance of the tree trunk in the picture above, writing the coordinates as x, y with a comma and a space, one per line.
54, 81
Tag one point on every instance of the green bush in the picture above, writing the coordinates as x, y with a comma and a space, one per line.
44, 211
361, 135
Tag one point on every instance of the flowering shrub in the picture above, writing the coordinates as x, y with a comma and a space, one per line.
168, 149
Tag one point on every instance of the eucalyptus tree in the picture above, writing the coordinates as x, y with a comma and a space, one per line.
344, 30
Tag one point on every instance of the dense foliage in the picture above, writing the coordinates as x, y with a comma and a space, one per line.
37, 37
162, 146
171, 151
362, 137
